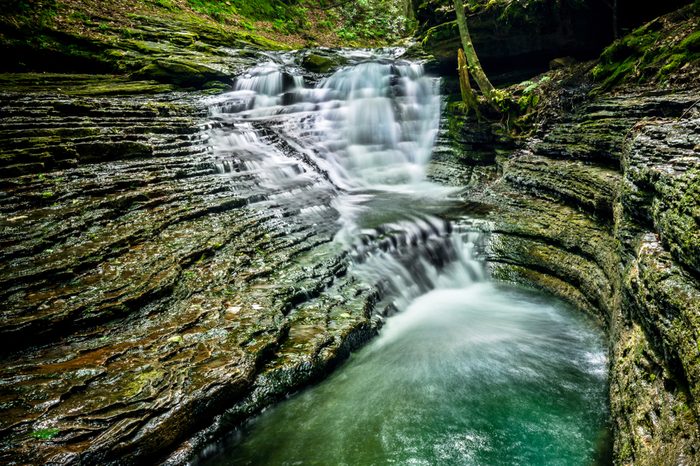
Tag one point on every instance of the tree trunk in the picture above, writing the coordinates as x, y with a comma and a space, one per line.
409, 12
467, 93
472, 59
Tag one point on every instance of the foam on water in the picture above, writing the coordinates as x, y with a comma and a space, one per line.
469, 373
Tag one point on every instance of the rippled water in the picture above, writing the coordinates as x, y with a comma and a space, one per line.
466, 371
482, 374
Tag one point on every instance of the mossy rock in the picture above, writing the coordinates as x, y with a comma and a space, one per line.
317, 63
435, 38
653, 52
180, 73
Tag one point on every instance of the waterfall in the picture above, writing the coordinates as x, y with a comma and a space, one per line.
369, 125
366, 133
378, 123
468, 371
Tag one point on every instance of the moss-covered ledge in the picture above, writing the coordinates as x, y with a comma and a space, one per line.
615, 233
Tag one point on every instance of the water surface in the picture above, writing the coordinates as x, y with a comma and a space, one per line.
484, 374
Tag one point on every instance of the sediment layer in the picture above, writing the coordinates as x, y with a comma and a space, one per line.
144, 292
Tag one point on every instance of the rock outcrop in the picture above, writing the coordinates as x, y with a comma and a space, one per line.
601, 207
139, 320
144, 293
525, 36
509, 36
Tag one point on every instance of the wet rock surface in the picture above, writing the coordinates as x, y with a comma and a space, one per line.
600, 207
144, 292
170, 261
152, 302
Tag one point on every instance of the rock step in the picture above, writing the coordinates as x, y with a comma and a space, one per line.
34, 131
35, 145
61, 127
589, 187
239, 327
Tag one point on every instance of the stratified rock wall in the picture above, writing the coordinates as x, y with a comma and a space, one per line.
143, 291
602, 207
516, 35
524, 35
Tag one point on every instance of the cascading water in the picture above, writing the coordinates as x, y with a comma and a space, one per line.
378, 123
468, 371
371, 125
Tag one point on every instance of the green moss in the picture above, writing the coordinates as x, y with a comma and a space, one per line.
679, 220
321, 63
653, 52
120, 88
45, 434
443, 32
142, 381
673, 63
691, 43
180, 73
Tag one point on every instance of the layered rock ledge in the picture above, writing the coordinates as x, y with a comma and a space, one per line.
601, 208
144, 292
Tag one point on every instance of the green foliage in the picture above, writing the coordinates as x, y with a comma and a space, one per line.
503, 100
286, 18
45, 434
325, 24
347, 34
531, 94
375, 20
217, 10
264, 10
648, 53
34, 13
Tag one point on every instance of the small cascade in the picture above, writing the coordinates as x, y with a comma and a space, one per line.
365, 133
262, 86
379, 123
368, 126
410, 258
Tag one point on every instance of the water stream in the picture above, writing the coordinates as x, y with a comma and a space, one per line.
465, 370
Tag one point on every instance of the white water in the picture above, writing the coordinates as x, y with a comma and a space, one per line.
370, 125
470, 373
377, 124
367, 131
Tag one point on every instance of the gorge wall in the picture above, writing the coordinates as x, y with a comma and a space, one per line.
524, 36
136, 294
601, 206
